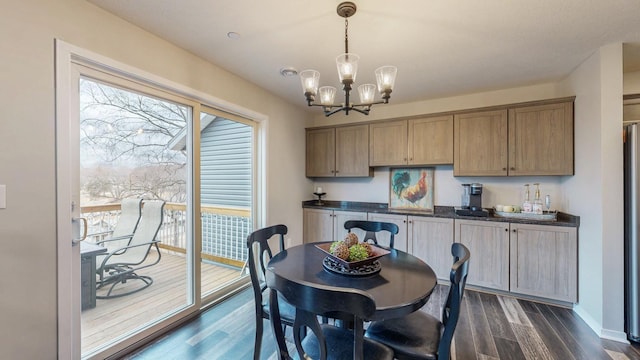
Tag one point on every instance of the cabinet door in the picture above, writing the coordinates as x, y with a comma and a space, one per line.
544, 261
400, 240
430, 240
488, 243
352, 151
340, 217
321, 156
480, 144
317, 225
388, 143
541, 140
431, 140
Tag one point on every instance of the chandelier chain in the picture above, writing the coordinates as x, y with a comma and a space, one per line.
346, 35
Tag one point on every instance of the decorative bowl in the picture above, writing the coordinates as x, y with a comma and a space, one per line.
378, 252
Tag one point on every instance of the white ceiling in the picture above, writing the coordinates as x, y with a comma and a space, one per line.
441, 48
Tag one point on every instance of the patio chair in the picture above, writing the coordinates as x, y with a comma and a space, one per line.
126, 225
122, 264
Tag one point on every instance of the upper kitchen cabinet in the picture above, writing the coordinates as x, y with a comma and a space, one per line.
423, 141
536, 139
541, 140
480, 144
388, 143
338, 152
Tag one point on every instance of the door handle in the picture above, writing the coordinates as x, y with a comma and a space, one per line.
75, 222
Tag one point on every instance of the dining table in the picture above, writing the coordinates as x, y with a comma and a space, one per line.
402, 285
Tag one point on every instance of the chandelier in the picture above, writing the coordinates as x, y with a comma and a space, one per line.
347, 69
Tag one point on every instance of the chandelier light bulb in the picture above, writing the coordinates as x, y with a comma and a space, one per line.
327, 95
367, 93
310, 80
386, 77
347, 66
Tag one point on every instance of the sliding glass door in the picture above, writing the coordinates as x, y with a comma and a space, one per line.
136, 145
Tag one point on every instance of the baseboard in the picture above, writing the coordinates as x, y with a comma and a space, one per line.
597, 328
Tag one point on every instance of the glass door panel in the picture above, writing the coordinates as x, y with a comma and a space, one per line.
226, 193
132, 146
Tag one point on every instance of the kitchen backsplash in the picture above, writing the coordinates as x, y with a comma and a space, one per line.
447, 188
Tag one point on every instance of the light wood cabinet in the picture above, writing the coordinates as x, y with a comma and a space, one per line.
388, 143
541, 140
544, 261
327, 225
524, 140
430, 239
488, 243
423, 141
400, 240
480, 144
430, 140
338, 152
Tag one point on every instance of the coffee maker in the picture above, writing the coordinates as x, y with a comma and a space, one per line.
471, 204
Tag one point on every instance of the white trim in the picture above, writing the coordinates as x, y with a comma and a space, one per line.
68, 333
597, 328
618, 336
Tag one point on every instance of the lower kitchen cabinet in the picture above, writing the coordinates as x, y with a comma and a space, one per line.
544, 261
430, 240
488, 243
400, 240
328, 225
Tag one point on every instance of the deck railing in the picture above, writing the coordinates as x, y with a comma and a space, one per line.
224, 230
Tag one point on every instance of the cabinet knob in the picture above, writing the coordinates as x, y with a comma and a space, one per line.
506, 229
512, 168
514, 230
504, 169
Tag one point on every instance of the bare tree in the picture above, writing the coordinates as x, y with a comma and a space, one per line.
124, 144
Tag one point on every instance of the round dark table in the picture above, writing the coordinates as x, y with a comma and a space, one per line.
402, 286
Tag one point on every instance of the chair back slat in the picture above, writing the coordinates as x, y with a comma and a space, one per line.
371, 228
451, 311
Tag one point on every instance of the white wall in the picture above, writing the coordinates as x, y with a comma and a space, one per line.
27, 147
596, 192
447, 188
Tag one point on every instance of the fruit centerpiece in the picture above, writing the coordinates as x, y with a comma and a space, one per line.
352, 255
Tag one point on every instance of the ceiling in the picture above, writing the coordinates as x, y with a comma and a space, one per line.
441, 48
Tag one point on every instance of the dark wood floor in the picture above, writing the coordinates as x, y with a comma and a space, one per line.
490, 327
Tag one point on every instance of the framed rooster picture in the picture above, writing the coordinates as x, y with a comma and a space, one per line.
411, 189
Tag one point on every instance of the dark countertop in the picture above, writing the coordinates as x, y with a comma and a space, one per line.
563, 219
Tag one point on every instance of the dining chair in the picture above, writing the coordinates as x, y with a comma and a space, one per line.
371, 228
419, 335
317, 341
259, 255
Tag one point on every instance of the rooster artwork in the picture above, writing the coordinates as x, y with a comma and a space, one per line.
412, 189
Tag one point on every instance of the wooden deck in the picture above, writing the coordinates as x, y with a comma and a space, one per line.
116, 316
